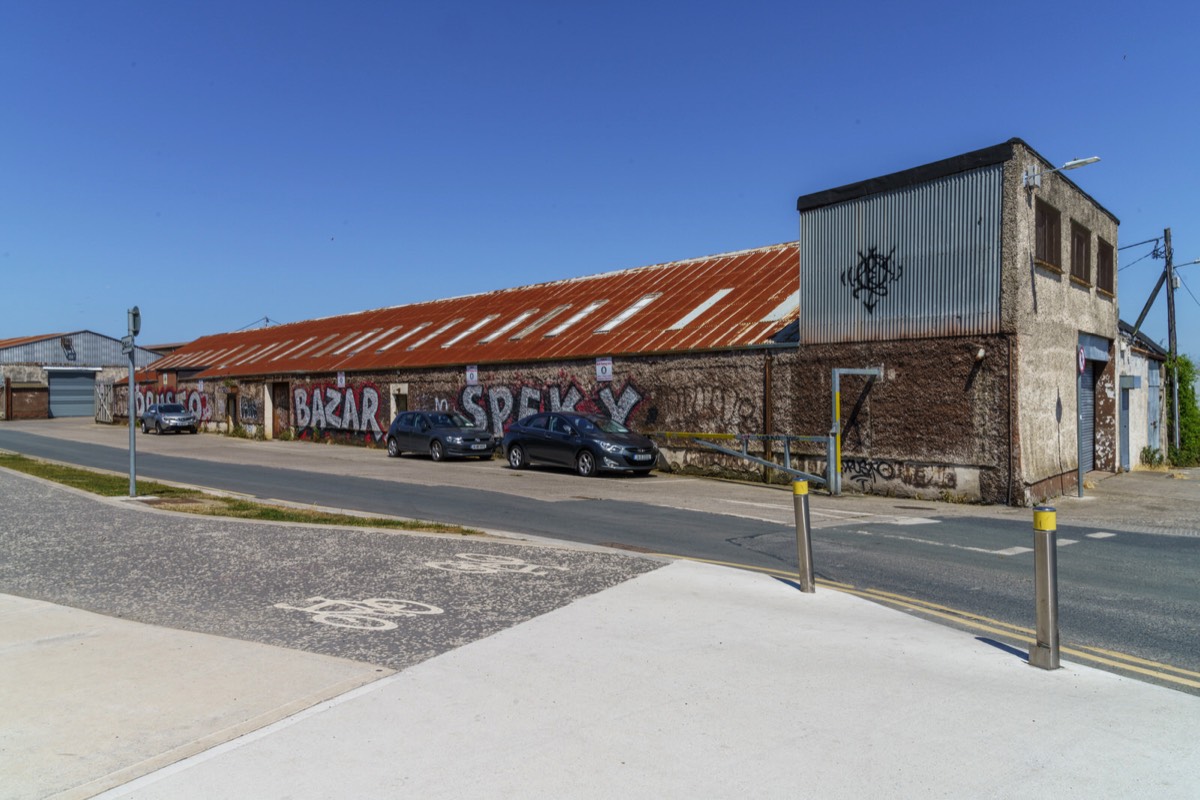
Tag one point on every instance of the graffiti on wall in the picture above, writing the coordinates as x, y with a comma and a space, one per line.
869, 278
869, 472
327, 408
194, 401
493, 407
247, 408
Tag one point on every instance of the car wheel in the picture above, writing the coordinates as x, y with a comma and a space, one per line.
393, 447
158, 428
145, 427
516, 457
585, 463
436, 451
191, 430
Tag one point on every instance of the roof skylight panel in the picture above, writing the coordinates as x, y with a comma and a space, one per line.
338, 342
227, 356
290, 349
576, 317
308, 350
641, 303
508, 326
781, 311
435, 334
471, 330
378, 338
272, 348
403, 336
692, 315
346, 347
549, 315
246, 355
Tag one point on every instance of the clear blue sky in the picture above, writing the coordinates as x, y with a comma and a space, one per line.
218, 162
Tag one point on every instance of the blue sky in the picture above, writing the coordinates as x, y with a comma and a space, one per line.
216, 163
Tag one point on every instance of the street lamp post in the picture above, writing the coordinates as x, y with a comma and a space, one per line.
134, 317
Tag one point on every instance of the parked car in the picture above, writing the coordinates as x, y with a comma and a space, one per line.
589, 443
441, 434
168, 417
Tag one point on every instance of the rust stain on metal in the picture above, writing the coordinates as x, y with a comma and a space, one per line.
472, 329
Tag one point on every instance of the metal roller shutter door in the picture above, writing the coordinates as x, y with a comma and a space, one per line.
1087, 418
72, 394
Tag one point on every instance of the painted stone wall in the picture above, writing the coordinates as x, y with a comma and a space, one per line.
1048, 310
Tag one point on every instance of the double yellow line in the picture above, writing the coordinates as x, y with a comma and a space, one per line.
1109, 658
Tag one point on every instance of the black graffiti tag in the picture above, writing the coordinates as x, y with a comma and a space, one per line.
871, 276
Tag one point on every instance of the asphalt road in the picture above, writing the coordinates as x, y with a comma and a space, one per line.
1121, 588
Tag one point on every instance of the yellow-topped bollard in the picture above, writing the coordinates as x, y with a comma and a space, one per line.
1044, 519
803, 536
1044, 652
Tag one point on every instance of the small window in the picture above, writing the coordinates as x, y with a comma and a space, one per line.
1081, 253
538, 422
1048, 222
1105, 275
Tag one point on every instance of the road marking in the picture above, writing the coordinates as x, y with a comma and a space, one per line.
909, 521
484, 564
1100, 535
933, 543
1013, 551
370, 614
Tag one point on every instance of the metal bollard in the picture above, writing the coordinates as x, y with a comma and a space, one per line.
1044, 653
803, 536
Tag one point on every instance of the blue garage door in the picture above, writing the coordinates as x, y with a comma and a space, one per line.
72, 394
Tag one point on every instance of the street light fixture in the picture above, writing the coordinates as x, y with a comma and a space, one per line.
1032, 179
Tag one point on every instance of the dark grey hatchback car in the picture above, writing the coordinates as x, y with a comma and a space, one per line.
589, 443
441, 434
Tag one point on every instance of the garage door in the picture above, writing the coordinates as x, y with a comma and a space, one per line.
72, 394
1087, 418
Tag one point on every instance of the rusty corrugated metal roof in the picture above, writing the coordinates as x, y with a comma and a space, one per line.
723, 301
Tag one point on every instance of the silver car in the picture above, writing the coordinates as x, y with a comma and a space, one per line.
168, 417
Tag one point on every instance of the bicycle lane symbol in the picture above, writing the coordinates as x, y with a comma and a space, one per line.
374, 613
483, 564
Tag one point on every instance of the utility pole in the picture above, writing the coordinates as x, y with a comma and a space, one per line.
1170, 273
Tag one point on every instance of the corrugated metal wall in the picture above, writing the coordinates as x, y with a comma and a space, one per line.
916, 262
83, 349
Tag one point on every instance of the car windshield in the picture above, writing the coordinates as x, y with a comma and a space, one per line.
605, 424
452, 420
171, 408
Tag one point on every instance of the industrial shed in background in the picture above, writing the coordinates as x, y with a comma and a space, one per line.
61, 374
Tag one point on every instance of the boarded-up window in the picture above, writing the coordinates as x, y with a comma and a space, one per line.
1105, 274
1048, 249
1081, 253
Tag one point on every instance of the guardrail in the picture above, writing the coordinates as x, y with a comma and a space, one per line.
703, 439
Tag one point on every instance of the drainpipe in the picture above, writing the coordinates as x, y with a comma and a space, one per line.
768, 411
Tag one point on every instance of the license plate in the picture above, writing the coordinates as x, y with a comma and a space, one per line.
641, 456
479, 447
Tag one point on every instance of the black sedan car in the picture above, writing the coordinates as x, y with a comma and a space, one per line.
168, 417
589, 443
441, 434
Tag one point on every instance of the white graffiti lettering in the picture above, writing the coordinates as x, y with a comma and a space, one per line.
317, 408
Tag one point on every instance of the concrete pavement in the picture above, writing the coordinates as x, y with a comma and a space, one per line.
691, 680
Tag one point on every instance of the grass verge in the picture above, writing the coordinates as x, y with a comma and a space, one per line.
191, 501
